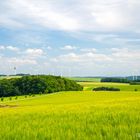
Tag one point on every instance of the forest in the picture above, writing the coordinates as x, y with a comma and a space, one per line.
40, 84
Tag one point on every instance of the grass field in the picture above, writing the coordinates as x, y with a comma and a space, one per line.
9, 77
85, 79
88, 86
84, 115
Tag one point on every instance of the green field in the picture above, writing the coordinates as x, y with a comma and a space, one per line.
85, 79
83, 115
88, 86
9, 77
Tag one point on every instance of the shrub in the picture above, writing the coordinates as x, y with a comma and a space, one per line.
106, 89
2, 99
136, 89
40, 93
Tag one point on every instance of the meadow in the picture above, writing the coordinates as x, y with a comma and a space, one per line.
80, 115
88, 86
85, 79
9, 77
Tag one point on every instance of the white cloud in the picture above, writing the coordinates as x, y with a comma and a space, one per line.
12, 48
82, 58
49, 48
89, 15
123, 55
33, 52
38, 12
2, 47
123, 61
126, 55
19, 61
69, 48
97, 20
107, 23
93, 50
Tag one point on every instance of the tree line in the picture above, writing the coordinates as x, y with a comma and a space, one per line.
120, 80
36, 85
116, 80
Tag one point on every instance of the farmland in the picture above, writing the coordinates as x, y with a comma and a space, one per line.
9, 77
88, 86
73, 115
69, 70
85, 79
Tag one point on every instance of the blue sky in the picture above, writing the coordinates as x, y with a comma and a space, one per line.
72, 38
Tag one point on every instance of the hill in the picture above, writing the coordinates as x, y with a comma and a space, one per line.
72, 115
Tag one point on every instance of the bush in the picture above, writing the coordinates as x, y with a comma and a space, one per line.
2, 99
106, 89
40, 93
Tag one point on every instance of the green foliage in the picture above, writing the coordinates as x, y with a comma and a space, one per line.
2, 99
136, 89
134, 83
116, 80
30, 84
106, 89
35, 85
8, 89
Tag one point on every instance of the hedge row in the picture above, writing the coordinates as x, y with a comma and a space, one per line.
106, 89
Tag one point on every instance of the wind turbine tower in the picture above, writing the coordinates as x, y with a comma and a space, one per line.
15, 70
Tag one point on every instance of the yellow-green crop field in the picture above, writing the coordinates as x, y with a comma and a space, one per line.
82, 115
88, 86
9, 77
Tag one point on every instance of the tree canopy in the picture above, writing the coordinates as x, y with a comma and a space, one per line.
36, 84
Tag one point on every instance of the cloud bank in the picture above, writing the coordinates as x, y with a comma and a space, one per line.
102, 35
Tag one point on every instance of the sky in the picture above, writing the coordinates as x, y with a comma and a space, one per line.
70, 37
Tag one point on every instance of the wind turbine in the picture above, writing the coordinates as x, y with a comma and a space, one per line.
15, 71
